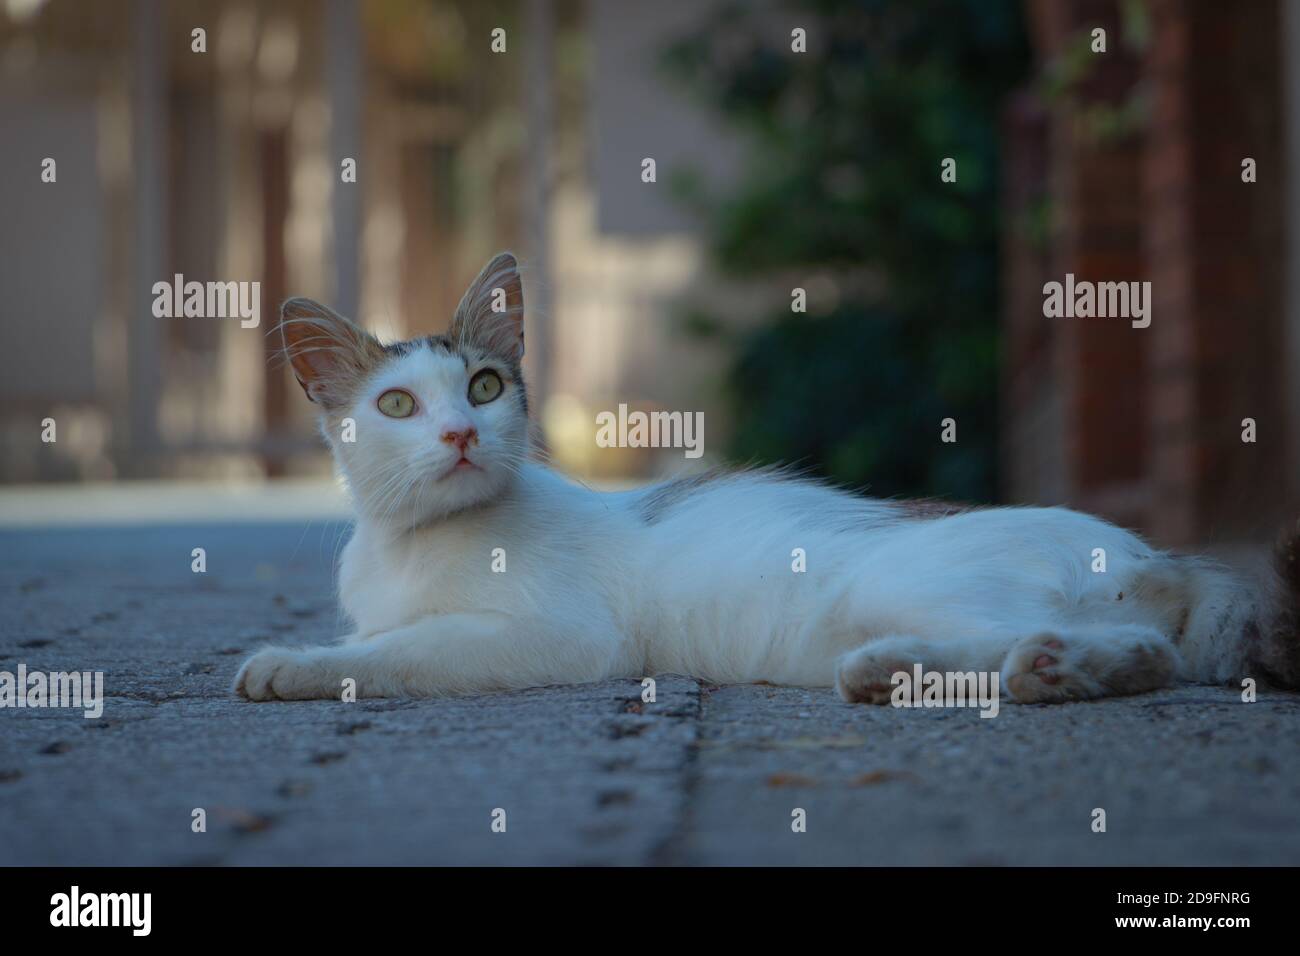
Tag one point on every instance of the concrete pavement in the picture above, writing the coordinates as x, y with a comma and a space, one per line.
587, 774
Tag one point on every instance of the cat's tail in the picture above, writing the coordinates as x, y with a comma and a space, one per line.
1273, 648
1235, 622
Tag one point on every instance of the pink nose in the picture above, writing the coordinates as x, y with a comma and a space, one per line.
461, 439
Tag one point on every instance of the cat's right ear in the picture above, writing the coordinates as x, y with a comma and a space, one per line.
330, 355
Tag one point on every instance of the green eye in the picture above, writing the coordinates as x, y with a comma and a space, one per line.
484, 387
396, 403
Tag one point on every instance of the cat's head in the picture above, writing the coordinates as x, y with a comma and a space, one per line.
423, 428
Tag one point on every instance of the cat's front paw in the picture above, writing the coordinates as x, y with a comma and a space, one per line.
279, 674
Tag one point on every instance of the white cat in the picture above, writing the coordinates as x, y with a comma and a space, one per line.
474, 568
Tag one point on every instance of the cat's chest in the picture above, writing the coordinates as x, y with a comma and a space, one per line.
383, 586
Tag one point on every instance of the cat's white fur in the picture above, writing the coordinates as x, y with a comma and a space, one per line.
698, 577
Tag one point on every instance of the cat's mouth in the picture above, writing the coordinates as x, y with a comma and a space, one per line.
464, 464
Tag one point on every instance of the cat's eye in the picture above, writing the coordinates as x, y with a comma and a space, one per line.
396, 403
484, 387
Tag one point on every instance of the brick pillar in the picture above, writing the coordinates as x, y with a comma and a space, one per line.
1094, 194
1214, 248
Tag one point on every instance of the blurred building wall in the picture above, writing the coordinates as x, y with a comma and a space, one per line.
628, 254
224, 165
51, 234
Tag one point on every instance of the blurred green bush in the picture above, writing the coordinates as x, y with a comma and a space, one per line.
842, 180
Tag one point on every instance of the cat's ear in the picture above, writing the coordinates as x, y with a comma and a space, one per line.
330, 355
491, 314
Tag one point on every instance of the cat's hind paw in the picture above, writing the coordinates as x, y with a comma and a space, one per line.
1080, 665
866, 675
1038, 670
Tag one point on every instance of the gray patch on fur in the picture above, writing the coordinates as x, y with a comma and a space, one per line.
435, 343
851, 514
663, 498
923, 508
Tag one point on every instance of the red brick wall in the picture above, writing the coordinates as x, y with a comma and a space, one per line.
1147, 422
1215, 245
1091, 371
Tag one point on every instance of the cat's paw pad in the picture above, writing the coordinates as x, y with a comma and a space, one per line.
275, 674
1042, 668
867, 677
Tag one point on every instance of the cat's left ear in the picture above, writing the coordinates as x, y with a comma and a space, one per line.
491, 314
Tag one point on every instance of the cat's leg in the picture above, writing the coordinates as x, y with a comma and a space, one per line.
445, 655
1079, 663
865, 674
